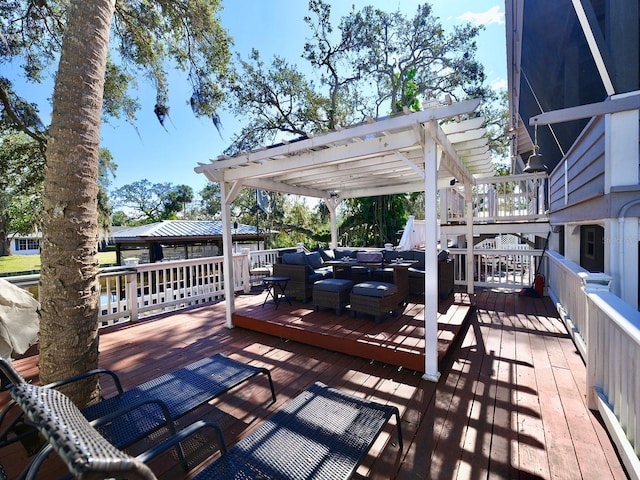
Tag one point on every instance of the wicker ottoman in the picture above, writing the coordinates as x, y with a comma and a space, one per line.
375, 298
332, 293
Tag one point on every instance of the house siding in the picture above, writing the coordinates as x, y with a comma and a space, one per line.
585, 169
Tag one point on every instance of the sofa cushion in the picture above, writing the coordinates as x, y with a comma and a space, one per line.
390, 255
333, 285
374, 289
295, 258
315, 260
373, 257
327, 255
419, 256
314, 277
342, 253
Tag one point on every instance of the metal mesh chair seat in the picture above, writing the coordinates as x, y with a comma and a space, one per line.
321, 434
85, 452
180, 392
158, 402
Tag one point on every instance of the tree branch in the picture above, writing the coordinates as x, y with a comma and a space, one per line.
20, 125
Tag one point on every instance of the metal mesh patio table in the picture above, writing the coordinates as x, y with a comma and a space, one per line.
320, 434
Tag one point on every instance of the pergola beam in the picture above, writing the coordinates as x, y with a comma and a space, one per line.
344, 135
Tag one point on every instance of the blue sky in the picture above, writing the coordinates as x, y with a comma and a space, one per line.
273, 27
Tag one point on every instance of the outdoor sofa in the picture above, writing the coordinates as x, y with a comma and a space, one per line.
303, 270
322, 433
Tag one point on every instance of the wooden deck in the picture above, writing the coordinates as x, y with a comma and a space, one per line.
510, 403
397, 341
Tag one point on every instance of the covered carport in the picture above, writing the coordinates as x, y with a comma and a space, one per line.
408, 152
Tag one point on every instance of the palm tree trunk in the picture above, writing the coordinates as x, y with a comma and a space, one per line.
69, 287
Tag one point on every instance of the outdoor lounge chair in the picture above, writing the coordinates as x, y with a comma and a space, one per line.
158, 402
320, 434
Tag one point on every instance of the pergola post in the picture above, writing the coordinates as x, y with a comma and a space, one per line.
332, 205
227, 252
468, 200
431, 371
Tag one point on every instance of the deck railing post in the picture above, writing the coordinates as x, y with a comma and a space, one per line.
244, 265
132, 295
593, 282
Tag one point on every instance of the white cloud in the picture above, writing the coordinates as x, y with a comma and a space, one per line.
499, 85
493, 15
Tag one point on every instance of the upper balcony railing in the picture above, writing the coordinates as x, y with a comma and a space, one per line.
499, 199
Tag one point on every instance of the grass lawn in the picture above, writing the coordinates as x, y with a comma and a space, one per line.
31, 263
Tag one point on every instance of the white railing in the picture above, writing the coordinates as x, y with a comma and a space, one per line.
497, 268
264, 258
506, 198
565, 289
133, 292
608, 330
129, 293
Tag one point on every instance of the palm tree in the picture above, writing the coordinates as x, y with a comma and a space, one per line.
69, 279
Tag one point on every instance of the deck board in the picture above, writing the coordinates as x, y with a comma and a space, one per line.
398, 340
510, 402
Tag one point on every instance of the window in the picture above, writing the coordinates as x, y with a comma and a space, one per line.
27, 244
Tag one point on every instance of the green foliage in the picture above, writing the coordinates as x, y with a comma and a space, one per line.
148, 36
369, 62
373, 221
275, 99
149, 203
496, 113
21, 185
210, 201
22, 164
410, 97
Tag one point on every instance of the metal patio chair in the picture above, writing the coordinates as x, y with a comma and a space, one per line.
320, 434
157, 403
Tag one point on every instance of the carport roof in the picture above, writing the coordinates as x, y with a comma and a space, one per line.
178, 230
376, 157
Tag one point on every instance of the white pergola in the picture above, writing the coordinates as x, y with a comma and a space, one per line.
410, 152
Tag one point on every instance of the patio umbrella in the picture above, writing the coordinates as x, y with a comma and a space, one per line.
413, 234
19, 319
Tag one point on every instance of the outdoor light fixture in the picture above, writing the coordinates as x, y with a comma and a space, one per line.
534, 163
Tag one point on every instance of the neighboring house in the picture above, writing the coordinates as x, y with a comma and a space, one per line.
177, 240
574, 71
24, 244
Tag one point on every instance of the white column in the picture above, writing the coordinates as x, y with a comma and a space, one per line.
626, 248
431, 371
622, 136
468, 200
444, 217
572, 243
332, 204
227, 252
